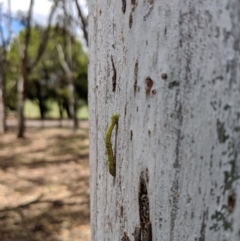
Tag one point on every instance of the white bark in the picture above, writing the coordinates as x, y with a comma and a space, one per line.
176, 66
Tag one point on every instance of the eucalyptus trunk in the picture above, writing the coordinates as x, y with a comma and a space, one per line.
170, 70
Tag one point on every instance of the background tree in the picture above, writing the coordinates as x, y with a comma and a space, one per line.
5, 23
83, 21
47, 81
27, 64
171, 72
66, 60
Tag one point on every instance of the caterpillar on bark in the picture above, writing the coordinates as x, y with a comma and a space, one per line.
111, 161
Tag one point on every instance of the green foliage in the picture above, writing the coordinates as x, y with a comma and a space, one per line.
47, 81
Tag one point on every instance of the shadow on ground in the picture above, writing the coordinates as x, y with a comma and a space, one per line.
44, 186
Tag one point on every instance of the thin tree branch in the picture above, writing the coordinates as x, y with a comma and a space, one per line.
28, 34
9, 21
63, 61
83, 21
45, 37
1, 33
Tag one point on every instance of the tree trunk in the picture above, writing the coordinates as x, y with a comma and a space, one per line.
2, 90
69, 74
170, 70
72, 105
26, 67
20, 109
2, 105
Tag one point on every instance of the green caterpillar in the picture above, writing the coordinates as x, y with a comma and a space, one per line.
111, 163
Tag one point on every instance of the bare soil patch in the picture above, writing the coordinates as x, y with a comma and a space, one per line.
44, 186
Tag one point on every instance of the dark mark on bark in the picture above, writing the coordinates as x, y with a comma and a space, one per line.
221, 131
125, 237
137, 233
178, 132
226, 107
164, 76
213, 104
219, 219
131, 135
203, 227
114, 77
165, 31
231, 201
173, 84
144, 210
130, 20
149, 10
121, 211
154, 92
218, 78
135, 77
134, 4
124, 5
148, 85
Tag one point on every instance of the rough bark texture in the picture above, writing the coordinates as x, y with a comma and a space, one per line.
171, 70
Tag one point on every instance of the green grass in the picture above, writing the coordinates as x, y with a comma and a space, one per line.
31, 111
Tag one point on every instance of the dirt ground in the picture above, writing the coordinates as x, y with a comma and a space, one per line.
44, 186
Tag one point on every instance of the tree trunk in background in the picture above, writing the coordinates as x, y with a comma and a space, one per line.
70, 70
3, 62
28, 65
72, 108
20, 106
171, 71
2, 105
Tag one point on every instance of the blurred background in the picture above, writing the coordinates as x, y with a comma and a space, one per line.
44, 170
